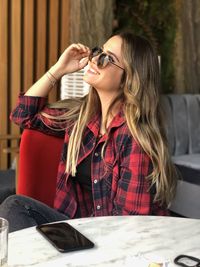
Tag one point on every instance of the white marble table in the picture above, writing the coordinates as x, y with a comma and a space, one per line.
119, 241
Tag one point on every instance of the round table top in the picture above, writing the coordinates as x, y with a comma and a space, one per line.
119, 241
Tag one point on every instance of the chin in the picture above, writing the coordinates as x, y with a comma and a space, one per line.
88, 80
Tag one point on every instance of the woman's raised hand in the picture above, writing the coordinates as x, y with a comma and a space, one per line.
74, 58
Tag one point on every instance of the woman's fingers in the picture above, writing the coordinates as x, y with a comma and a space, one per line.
78, 52
83, 47
74, 57
83, 62
79, 48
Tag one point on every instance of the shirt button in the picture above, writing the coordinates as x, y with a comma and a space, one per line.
96, 154
98, 207
95, 181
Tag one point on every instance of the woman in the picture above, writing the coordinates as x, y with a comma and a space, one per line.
115, 159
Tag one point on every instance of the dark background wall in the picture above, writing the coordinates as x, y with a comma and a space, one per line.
173, 27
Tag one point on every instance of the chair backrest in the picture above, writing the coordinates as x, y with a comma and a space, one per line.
38, 165
183, 127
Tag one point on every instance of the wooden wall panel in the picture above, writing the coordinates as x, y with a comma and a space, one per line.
3, 77
28, 44
15, 60
65, 25
33, 33
53, 41
40, 38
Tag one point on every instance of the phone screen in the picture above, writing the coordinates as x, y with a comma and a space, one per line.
64, 237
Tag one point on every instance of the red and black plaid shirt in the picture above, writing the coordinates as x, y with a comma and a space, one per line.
119, 184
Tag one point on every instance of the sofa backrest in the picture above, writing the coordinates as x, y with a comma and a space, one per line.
182, 114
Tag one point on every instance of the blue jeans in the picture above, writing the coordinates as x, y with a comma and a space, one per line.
22, 212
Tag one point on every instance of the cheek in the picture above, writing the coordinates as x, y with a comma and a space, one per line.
113, 80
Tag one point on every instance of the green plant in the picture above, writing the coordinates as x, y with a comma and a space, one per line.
156, 20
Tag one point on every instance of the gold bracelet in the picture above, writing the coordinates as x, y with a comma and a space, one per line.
51, 78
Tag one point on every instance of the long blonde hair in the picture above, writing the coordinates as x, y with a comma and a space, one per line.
140, 96
143, 112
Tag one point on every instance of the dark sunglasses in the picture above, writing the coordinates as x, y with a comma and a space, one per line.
187, 261
103, 59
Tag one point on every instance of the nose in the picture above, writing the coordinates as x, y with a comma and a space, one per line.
94, 59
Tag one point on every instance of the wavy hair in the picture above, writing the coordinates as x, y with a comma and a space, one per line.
143, 112
140, 95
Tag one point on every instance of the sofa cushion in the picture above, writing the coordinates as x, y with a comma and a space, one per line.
180, 124
188, 160
189, 175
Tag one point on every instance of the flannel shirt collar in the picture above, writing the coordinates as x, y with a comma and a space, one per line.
94, 124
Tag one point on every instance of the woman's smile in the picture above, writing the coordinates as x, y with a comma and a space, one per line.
93, 71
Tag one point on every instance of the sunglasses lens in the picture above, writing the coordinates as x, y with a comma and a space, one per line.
103, 58
95, 52
102, 61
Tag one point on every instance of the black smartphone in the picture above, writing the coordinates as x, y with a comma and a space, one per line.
64, 237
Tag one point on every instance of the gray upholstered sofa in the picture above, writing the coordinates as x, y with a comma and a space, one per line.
182, 113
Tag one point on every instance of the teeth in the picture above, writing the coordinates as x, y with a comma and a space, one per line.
93, 71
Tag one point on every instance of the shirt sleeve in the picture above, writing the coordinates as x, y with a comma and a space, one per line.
133, 195
27, 115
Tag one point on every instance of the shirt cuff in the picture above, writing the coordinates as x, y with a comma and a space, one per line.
32, 103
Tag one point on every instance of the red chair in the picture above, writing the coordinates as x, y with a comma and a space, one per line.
38, 165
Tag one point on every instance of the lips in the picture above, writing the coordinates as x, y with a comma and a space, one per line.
93, 70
